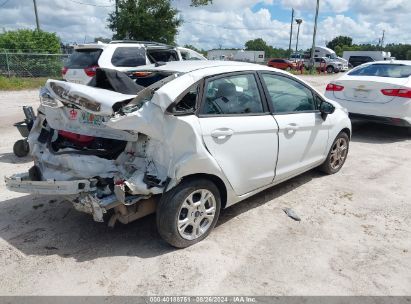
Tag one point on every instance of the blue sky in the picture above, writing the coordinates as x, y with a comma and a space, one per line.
227, 23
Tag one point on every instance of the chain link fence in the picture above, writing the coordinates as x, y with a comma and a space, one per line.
31, 64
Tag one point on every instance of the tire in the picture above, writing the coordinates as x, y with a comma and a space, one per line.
21, 148
332, 165
175, 207
330, 69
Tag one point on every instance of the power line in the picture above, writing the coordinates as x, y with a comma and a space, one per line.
90, 4
4, 3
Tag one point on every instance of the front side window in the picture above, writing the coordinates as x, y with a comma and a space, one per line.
128, 57
237, 94
288, 95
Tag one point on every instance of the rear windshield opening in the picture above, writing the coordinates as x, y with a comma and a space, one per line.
383, 70
83, 58
162, 55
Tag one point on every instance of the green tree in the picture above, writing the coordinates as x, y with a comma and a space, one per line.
339, 41
270, 52
29, 41
408, 55
256, 45
147, 20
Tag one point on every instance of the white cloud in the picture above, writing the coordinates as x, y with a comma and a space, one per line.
227, 23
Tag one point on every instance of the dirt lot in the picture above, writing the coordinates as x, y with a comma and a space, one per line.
354, 237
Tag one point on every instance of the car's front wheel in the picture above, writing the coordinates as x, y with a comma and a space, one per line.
187, 213
330, 69
337, 154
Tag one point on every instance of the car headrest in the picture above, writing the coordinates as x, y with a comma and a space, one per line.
226, 89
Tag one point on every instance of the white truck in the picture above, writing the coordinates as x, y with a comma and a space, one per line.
322, 51
356, 58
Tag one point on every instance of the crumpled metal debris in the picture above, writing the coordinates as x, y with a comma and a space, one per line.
291, 213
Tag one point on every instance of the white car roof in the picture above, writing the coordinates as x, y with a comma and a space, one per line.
188, 66
194, 71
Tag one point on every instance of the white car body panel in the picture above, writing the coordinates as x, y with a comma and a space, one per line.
172, 147
303, 139
362, 94
243, 140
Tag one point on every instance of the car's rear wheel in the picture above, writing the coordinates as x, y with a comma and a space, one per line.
337, 154
187, 213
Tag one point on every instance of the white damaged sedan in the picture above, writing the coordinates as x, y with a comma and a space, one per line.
182, 139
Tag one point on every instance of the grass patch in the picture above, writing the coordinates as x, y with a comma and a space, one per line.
21, 83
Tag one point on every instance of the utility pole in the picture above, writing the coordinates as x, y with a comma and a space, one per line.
37, 16
299, 21
314, 34
291, 31
382, 40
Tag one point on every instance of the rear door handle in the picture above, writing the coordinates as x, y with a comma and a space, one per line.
222, 133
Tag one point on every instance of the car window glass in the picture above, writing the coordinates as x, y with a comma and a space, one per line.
83, 58
236, 94
383, 70
128, 57
162, 55
288, 95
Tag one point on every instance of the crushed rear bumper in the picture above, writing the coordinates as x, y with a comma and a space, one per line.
22, 183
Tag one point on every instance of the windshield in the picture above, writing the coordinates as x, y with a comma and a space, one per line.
383, 70
83, 58
332, 56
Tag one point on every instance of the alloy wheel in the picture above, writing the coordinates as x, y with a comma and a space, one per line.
196, 214
338, 153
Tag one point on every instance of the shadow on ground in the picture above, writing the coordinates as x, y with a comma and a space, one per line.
41, 225
13, 159
378, 133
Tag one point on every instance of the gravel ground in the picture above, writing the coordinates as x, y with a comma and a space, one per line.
354, 237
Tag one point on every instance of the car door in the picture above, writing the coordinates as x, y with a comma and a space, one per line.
303, 133
239, 131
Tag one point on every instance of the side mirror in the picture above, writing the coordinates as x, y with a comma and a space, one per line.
326, 108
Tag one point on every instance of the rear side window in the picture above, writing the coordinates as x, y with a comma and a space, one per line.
83, 58
238, 94
383, 70
129, 57
288, 95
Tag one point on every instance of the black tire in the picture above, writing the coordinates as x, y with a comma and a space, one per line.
330, 69
170, 209
329, 166
21, 148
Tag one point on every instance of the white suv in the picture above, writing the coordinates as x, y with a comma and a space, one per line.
120, 55
202, 136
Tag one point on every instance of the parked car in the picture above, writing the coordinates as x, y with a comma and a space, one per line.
120, 55
378, 91
282, 64
325, 64
204, 136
